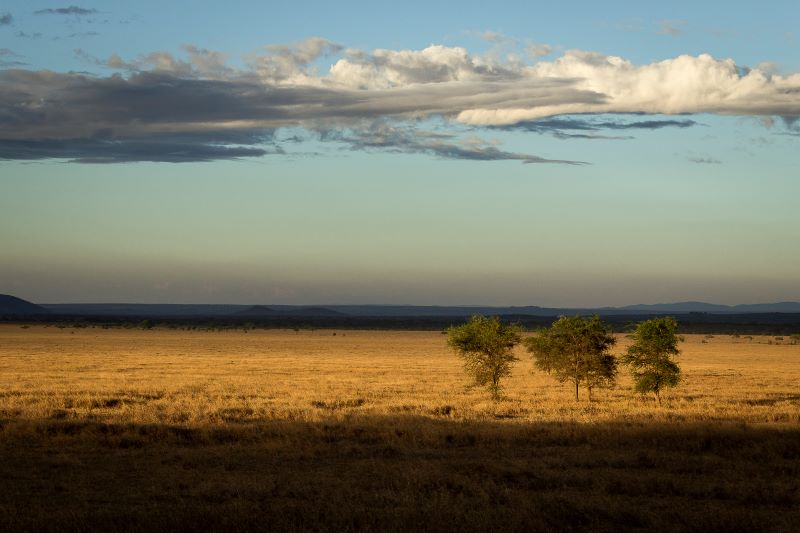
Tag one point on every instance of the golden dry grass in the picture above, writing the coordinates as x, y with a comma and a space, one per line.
162, 429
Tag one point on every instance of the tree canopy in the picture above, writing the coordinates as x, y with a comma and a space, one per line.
576, 349
486, 345
655, 342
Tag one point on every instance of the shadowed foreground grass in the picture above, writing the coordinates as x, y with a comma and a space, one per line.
147, 431
400, 472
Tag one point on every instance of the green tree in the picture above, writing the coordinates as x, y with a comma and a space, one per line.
655, 342
486, 345
575, 349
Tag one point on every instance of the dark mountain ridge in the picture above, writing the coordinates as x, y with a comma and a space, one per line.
13, 306
377, 310
265, 311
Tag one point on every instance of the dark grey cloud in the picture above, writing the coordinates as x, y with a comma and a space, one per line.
50, 105
43, 104
69, 10
592, 136
792, 122
6, 19
408, 140
198, 147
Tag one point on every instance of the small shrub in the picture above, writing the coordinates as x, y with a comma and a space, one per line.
338, 404
443, 410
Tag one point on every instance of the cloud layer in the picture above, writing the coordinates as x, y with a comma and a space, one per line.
159, 107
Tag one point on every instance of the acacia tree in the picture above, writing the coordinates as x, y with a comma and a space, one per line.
650, 356
576, 349
486, 345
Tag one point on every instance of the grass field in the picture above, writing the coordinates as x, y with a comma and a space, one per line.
271, 429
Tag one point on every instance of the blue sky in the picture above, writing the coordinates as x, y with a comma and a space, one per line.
571, 155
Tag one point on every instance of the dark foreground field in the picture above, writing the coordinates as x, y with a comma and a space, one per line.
401, 473
153, 430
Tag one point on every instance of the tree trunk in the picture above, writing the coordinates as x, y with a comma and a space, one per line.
577, 383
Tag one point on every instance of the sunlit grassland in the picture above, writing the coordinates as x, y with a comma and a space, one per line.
132, 429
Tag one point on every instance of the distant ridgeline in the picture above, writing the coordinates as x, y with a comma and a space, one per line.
13, 306
777, 318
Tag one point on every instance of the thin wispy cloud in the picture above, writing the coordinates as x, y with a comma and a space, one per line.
82, 34
673, 28
537, 50
26, 35
76, 35
565, 127
704, 160
69, 10
389, 138
492, 37
9, 58
283, 86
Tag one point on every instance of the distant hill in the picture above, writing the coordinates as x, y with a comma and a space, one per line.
13, 306
703, 307
352, 310
264, 311
258, 310
779, 307
145, 310
682, 307
318, 311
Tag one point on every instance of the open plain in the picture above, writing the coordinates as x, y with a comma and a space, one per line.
341, 430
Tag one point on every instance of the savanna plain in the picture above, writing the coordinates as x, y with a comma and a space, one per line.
145, 430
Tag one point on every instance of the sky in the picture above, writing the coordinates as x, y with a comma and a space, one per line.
433, 153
